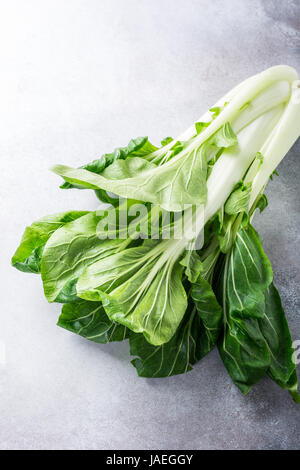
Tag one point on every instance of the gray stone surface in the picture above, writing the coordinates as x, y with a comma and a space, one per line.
80, 77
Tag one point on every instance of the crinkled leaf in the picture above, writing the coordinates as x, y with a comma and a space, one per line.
138, 147
276, 331
88, 319
194, 338
107, 198
192, 263
172, 358
107, 274
27, 257
248, 275
224, 137
245, 278
244, 351
70, 249
238, 200
178, 147
180, 181
210, 312
261, 203
122, 169
166, 141
226, 237
137, 292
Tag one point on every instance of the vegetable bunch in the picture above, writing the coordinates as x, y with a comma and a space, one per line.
177, 297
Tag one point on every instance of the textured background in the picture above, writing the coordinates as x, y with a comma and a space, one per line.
78, 78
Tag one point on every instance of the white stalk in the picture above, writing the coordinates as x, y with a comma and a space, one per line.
280, 141
232, 166
274, 95
233, 163
267, 93
245, 92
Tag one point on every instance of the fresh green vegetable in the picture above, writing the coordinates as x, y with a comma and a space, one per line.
136, 148
176, 296
88, 319
28, 256
181, 180
196, 335
75, 245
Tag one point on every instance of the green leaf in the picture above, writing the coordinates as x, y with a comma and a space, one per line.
261, 203
140, 288
238, 200
178, 147
166, 141
88, 319
122, 169
172, 358
244, 351
275, 173
210, 312
194, 338
226, 236
200, 126
159, 310
192, 263
224, 137
27, 257
138, 147
245, 278
180, 181
292, 387
275, 329
228, 229
216, 110
249, 273
103, 196
255, 342
105, 275
70, 249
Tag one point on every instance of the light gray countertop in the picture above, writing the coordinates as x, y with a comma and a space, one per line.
78, 78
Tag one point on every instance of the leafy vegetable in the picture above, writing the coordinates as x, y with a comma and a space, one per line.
238, 200
88, 319
75, 245
200, 126
182, 180
166, 141
140, 288
246, 276
28, 256
172, 358
199, 279
195, 337
276, 332
136, 148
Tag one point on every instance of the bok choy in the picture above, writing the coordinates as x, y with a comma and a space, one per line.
201, 277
